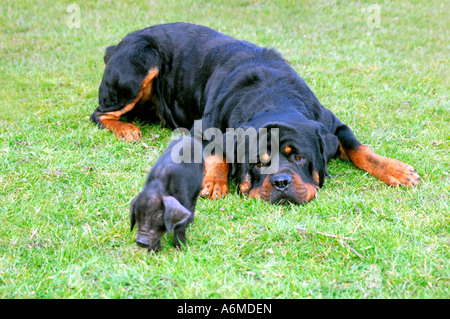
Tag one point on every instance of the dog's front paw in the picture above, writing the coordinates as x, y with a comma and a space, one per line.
396, 173
388, 170
214, 189
215, 182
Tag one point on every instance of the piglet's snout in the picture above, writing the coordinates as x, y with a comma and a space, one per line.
142, 242
146, 239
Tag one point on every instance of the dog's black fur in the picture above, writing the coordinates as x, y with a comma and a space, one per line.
230, 83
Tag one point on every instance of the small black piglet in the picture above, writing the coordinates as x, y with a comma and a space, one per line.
167, 202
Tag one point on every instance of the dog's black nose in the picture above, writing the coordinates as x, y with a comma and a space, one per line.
281, 181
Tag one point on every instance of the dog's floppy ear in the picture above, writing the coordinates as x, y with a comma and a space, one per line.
239, 166
175, 214
328, 144
109, 51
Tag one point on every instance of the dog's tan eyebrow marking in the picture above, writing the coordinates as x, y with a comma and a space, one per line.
265, 157
288, 149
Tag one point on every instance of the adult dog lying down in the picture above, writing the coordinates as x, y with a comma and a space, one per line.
176, 73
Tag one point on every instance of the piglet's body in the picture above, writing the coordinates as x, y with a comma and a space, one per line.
167, 202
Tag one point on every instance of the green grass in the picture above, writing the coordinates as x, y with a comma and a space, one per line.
66, 186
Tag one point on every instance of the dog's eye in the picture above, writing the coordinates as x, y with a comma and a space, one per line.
298, 159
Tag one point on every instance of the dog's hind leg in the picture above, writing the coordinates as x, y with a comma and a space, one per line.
111, 120
388, 170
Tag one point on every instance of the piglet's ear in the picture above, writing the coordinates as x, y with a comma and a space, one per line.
133, 214
175, 214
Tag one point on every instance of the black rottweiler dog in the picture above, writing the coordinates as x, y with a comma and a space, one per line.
176, 73
167, 202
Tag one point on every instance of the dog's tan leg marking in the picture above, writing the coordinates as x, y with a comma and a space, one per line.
215, 182
127, 131
388, 170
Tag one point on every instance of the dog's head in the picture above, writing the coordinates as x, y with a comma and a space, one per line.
126, 66
156, 214
295, 162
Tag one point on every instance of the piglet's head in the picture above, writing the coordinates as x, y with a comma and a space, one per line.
155, 214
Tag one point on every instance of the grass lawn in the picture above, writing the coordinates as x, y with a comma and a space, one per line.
66, 186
